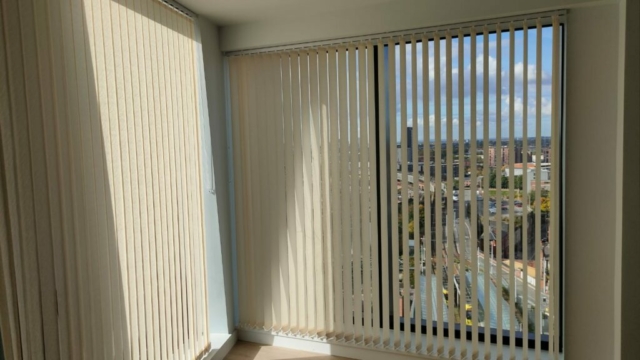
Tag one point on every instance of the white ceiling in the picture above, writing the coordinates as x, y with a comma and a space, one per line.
233, 12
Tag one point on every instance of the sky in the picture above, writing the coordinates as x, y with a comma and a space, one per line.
519, 107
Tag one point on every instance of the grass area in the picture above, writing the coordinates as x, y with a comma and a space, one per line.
505, 193
494, 192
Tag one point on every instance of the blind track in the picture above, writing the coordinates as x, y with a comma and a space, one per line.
530, 18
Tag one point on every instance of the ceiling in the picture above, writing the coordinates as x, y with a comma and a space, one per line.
233, 12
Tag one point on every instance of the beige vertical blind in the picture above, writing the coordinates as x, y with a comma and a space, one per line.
101, 232
306, 192
408, 181
474, 202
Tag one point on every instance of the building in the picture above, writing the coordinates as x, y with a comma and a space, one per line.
519, 170
455, 167
492, 156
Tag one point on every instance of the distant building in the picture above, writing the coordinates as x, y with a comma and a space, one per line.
518, 170
492, 156
545, 155
456, 170
409, 147
504, 153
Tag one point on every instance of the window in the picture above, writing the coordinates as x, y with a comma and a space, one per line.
471, 258
325, 220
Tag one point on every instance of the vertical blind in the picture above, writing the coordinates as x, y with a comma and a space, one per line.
101, 232
404, 181
305, 149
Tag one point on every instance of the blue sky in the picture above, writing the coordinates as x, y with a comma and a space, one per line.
520, 108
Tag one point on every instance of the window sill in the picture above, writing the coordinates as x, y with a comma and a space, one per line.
221, 344
355, 351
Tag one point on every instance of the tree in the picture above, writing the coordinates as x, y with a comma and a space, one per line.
532, 195
517, 180
545, 204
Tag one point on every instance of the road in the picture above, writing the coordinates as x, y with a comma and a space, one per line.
520, 283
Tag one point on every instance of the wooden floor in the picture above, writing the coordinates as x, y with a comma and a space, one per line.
249, 351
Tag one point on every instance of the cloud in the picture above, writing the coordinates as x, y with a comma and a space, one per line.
494, 73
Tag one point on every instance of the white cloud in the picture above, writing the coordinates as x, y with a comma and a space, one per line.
545, 78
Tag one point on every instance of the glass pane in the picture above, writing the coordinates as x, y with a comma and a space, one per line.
531, 174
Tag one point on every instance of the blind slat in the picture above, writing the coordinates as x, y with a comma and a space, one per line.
336, 210
272, 307
512, 216
473, 238
499, 163
428, 198
438, 191
282, 114
554, 243
10, 303
344, 194
526, 188
355, 171
318, 216
485, 186
417, 262
450, 223
292, 232
384, 199
373, 193
406, 285
328, 239
299, 195
462, 238
308, 194
393, 196
263, 140
364, 193
538, 225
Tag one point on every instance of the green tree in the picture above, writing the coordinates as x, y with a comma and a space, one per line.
492, 179
532, 196
517, 180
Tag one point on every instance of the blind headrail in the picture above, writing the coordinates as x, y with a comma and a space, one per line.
176, 6
529, 18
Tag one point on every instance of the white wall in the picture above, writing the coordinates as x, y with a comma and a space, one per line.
379, 17
217, 210
591, 101
593, 198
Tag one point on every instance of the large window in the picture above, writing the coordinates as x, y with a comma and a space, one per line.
404, 183
470, 137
